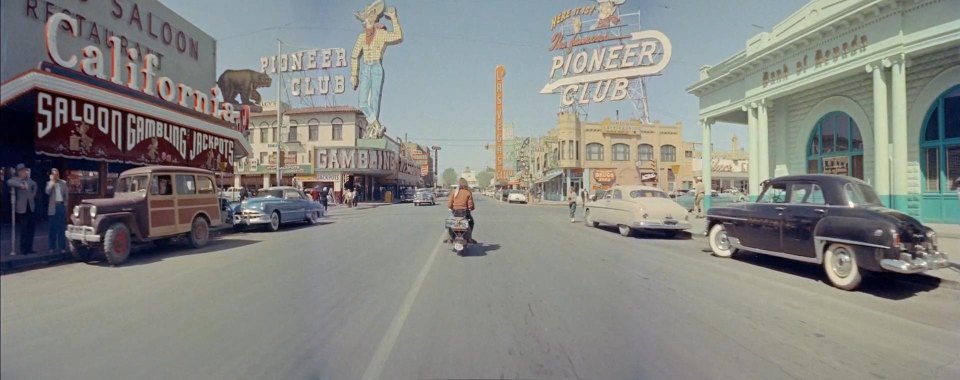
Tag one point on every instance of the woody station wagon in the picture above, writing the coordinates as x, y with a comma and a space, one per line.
151, 204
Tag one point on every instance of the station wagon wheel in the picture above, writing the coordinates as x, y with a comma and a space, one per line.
625, 230
840, 263
199, 232
274, 221
116, 244
720, 242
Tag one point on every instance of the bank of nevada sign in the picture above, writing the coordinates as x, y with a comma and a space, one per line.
596, 56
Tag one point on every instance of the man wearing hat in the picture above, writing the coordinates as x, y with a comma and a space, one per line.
371, 44
25, 190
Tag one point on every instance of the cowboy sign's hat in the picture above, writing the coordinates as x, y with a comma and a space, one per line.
615, 2
374, 9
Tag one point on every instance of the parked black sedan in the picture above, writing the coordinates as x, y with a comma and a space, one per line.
830, 220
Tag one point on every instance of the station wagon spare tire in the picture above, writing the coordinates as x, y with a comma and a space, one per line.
625, 230
840, 263
720, 242
199, 232
274, 224
78, 251
116, 244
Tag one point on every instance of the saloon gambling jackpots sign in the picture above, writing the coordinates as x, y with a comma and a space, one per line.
77, 128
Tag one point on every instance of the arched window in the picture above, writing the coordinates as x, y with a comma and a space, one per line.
264, 132
645, 152
337, 129
621, 152
292, 134
835, 146
940, 144
313, 131
668, 153
594, 152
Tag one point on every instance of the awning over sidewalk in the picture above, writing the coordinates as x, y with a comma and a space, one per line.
548, 177
76, 116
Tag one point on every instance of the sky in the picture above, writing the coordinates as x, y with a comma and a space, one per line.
439, 82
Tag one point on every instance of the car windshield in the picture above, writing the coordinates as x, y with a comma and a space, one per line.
648, 194
274, 193
131, 186
859, 194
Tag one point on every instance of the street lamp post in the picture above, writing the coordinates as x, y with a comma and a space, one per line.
279, 117
436, 164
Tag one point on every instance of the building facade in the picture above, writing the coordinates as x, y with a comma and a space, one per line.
865, 88
730, 168
66, 104
596, 155
321, 146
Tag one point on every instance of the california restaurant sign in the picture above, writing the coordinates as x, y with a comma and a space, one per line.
595, 58
357, 160
79, 128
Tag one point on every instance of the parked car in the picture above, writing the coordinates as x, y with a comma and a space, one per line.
408, 195
424, 196
232, 194
834, 221
632, 208
274, 206
688, 200
150, 204
517, 196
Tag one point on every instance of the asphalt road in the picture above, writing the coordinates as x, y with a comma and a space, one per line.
372, 293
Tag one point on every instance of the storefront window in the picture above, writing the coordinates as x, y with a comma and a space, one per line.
836, 146
668, 153
941, 143
621, 152
594, 152
84, 182
645, 152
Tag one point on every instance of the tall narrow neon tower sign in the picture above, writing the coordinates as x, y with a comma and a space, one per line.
500, 73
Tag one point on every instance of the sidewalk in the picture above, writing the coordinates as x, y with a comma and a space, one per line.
948, 236
42, 257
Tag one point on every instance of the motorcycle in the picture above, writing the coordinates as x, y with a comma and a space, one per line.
459, 225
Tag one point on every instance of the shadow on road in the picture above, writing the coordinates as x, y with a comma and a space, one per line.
480, 250
883, 285
148, 254
651, 235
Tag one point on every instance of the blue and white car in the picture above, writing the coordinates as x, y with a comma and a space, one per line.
274, 206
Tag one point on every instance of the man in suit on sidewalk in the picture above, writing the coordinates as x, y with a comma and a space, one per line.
57, 212
25, 190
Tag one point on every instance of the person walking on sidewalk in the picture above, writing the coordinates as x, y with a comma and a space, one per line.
572, 200
25, 190
57, 213
324, 200
698, 197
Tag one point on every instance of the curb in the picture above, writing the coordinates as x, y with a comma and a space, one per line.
915, 279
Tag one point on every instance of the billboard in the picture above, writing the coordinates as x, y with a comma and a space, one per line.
597, 54
498, 120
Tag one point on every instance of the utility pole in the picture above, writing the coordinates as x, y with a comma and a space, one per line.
436, 165
279, 117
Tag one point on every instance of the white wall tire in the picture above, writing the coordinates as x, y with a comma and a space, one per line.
274, 224
588, 220
625, 230
720, 242
840, 263
314, 218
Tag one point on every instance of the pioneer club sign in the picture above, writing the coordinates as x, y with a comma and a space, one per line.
78, 128
596, 59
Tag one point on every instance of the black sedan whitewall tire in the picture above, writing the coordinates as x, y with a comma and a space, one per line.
720, 242
840, 263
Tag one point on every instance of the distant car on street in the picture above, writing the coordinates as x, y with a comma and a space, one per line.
517, 196
424, 196
834, 221
632, 208
408, 195
274, 206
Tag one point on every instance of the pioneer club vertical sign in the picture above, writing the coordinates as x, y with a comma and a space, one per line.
500, 73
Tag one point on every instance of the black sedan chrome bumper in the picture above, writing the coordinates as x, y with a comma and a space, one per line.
908, 264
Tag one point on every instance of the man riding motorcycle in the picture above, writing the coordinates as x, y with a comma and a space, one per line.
461, 202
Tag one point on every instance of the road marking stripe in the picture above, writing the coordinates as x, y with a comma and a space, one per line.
375, 368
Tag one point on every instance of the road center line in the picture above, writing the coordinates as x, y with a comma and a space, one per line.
375, 368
